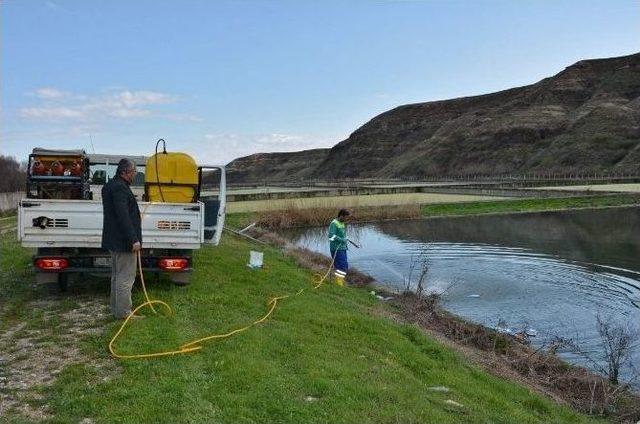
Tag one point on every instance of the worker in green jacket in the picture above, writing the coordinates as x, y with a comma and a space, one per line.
338, 246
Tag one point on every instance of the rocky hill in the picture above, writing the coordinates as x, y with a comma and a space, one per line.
275, 166
584, 119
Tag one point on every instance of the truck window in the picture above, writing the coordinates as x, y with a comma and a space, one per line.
101, 174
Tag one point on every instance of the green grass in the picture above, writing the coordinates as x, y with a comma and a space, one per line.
527, 205
8, 222
327, 344
239, 220
11, 212
15, 263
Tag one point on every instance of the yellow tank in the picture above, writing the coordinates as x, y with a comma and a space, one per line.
176, 179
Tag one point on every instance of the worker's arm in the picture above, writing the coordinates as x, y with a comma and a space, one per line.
120, 206
333, 233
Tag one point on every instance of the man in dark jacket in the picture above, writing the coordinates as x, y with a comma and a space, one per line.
121, 235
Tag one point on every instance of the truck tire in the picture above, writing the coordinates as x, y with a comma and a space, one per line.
63, 282
181, 278
56, 284
46, 278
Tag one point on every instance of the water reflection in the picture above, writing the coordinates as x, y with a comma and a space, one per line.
550, 271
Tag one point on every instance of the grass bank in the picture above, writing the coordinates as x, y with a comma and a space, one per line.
300, 217
330, 355
528, 205
8, 224
619, 187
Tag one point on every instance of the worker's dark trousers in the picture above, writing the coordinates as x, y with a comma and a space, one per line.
123, 274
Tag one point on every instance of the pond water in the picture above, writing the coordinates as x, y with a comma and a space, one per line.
550, 273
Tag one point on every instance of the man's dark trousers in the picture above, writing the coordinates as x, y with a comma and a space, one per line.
120, 230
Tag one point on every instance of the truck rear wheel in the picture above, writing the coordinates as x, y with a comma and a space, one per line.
56, 283
63, 282
181, 278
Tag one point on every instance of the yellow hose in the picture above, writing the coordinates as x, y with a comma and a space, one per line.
196, 344
144, 288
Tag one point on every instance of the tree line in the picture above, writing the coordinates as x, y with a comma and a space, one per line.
13, 175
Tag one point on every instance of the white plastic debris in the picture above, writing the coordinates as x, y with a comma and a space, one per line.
255, 259
439, 389
474, 295
504, 330
453, 403
383, 298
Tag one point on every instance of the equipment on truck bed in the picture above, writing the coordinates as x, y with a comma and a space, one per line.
58, 174
171, 177
174, 177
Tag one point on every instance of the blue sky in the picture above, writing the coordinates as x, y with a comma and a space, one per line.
222, 79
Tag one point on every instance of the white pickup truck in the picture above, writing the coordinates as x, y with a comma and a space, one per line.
67, 235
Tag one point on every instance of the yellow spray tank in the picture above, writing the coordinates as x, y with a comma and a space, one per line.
174, 177
171, 177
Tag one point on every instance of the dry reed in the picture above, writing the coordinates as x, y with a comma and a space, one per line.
312, 217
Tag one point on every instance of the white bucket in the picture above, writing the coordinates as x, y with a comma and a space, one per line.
255, 259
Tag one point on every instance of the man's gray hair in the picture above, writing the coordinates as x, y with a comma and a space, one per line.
125, 165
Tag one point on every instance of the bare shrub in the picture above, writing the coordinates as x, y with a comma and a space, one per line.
13, 175
419, 267
617, 341
416, 278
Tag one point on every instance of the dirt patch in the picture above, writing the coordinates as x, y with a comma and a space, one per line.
33, 353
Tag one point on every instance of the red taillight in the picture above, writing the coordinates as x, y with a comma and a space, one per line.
52, 264
173, 264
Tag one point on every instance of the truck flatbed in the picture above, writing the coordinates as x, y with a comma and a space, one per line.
78, 224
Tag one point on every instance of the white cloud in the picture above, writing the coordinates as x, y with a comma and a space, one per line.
71, 117
128, 113
224, 147
130, 99
51, 113
180, 117
59, 105
48, 93
52, 5
272, 141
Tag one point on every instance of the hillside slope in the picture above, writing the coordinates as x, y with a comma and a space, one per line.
275, 166
586, 118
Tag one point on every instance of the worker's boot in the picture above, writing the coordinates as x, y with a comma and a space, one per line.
339, 277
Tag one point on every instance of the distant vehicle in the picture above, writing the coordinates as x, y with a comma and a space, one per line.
62, 214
